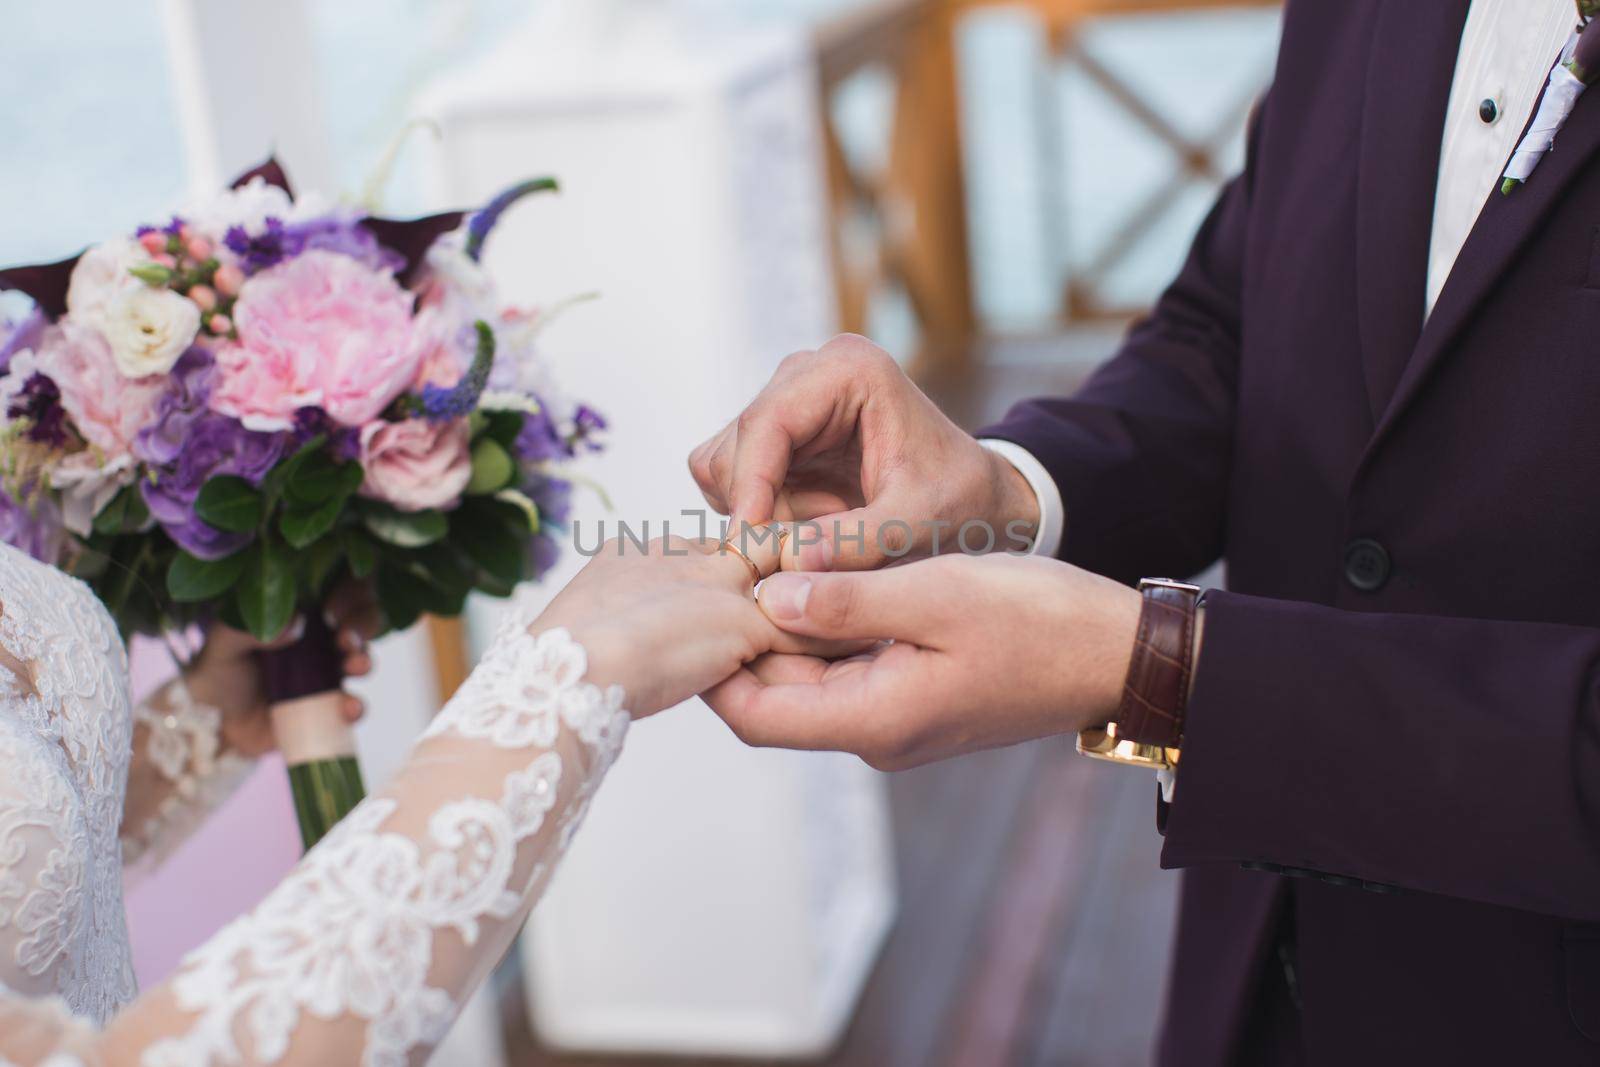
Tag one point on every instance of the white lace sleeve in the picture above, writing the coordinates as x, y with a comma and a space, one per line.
43, 849
181, 773
366, 950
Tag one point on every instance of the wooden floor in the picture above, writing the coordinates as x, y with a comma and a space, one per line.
1034, 922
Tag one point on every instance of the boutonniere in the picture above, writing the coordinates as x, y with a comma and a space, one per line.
1578, 66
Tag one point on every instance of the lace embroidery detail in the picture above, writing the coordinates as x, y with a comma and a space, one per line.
43, 847
65, 736
183, 741
352, 932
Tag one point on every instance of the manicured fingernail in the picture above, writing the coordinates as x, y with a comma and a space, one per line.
297, 628
785, 595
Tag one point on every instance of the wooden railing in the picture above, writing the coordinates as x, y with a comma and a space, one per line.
916, 205
918, 201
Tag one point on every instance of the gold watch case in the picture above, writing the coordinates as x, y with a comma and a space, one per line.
1103, 744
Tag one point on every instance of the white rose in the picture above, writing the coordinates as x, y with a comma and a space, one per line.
100, 277
87, 487
148, 329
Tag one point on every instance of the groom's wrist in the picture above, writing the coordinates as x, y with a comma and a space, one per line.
1028, 514
1014, 512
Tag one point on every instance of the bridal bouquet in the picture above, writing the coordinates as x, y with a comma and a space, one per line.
220, 417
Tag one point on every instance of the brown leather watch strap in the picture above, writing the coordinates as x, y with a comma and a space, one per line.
1156, 692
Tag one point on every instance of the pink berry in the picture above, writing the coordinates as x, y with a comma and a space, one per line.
204, 297
164, 260
154, 242
221, 324
199, 249
229, 279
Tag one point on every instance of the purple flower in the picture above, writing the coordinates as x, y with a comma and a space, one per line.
34, 529
277, 242
552, 496
539, 439
441, 404
347, 237
482, 222
258, 251
187, 445
587, 424
542, 554
344, 442
38, 403
171, 229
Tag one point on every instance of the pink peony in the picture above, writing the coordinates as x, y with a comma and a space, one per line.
107, 409
319, 330
416, 465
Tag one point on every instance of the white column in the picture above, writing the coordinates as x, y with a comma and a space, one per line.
245, 87
719, 900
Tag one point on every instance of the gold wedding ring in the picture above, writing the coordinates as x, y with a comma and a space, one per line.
755, 572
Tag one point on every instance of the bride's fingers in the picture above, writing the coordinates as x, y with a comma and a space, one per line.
757, 549
788, 644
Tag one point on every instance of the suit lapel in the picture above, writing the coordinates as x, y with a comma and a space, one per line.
1503, 227
1412, 64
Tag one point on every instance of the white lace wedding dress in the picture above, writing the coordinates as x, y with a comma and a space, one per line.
365, 951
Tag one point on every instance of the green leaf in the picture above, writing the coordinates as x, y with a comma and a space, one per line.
138, 513
321, 562
493, 537
361, 553
302, 528
229, 503
492, 468
109, 521
405, 529
191, 580
399, 597
125, 513
152, 273
443, 567
265, 593
272, 485
504, 427
320, 479
526, 510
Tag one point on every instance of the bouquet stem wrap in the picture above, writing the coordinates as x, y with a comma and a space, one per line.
303, 683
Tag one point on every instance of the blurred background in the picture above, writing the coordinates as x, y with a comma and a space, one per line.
990, 189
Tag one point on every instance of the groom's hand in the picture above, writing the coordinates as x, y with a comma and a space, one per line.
987, 651
842, 440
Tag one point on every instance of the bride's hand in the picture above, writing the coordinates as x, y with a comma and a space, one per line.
227, 673
669, 621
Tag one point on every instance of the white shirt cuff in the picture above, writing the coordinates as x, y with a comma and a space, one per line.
1052, 514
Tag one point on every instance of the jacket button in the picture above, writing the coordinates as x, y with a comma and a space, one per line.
1366, 564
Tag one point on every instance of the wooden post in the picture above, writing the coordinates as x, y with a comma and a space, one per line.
926, 176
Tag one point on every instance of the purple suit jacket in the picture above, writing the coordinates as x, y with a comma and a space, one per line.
1397, 707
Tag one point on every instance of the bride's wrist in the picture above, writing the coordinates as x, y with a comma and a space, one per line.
604, 653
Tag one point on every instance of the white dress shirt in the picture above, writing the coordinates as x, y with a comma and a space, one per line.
1507, 50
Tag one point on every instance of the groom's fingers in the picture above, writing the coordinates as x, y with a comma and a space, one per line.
709, 466
762, 446
810, 710
798, 702
897, 603
857, 540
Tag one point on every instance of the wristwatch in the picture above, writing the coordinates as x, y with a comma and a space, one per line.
1148, 728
